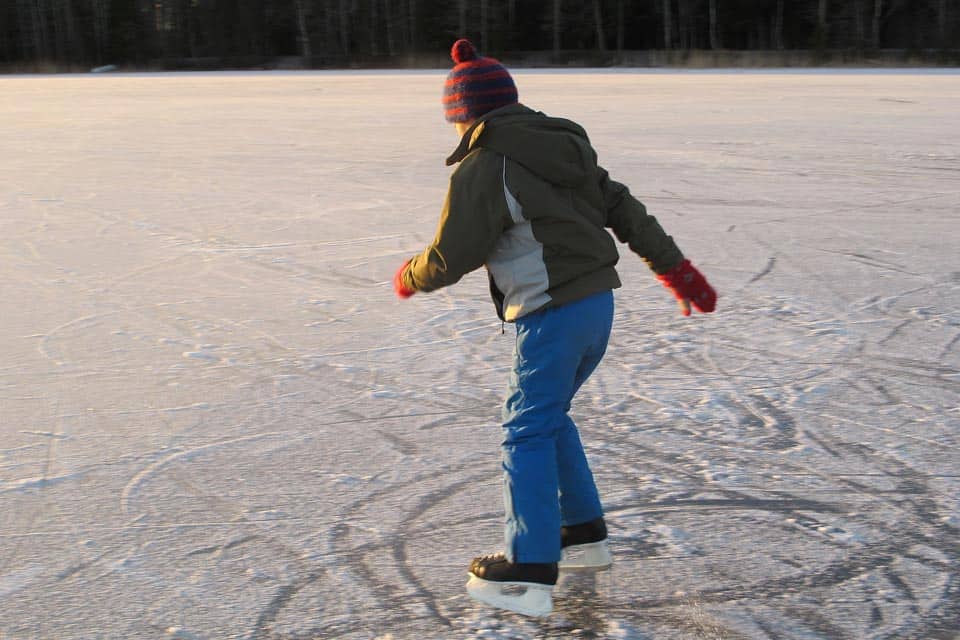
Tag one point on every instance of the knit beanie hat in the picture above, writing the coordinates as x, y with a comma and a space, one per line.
476, 85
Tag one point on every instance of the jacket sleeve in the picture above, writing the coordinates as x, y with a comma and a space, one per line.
630, 222
474, 216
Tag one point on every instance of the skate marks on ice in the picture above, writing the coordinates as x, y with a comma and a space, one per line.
746, 506
805, 488
841, 465
749, 508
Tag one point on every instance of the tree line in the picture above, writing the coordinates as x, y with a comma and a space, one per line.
60, 34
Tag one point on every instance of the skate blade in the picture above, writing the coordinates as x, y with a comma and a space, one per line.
527, 598
593, 556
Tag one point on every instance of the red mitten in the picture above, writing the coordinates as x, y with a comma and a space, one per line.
398, 286
689, 286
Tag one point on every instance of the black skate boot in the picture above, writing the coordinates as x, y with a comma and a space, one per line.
523, 587
584, 546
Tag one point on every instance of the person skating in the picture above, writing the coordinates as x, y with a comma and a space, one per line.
530, 203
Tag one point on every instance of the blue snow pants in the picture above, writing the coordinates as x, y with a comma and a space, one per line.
547, 482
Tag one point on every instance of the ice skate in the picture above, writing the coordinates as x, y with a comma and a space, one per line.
584, 547
521, 587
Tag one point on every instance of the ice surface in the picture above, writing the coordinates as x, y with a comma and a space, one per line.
216, 420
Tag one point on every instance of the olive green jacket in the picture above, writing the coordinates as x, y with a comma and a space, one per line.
530, 202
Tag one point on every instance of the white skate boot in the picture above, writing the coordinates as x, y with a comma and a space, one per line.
584, 547
521, 587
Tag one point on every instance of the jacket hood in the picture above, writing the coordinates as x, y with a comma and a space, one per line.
555, 149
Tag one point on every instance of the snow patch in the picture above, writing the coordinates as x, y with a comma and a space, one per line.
20, 579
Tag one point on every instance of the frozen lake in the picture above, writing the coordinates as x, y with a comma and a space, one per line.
217, 421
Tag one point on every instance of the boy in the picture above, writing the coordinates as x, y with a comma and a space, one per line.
530, 203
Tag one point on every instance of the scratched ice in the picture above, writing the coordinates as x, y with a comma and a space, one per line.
216, 420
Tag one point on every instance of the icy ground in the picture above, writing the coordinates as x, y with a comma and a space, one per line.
217, 421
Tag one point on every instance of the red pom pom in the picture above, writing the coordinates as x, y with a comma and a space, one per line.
463, 51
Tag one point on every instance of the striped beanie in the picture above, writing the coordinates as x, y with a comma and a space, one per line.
476, 85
